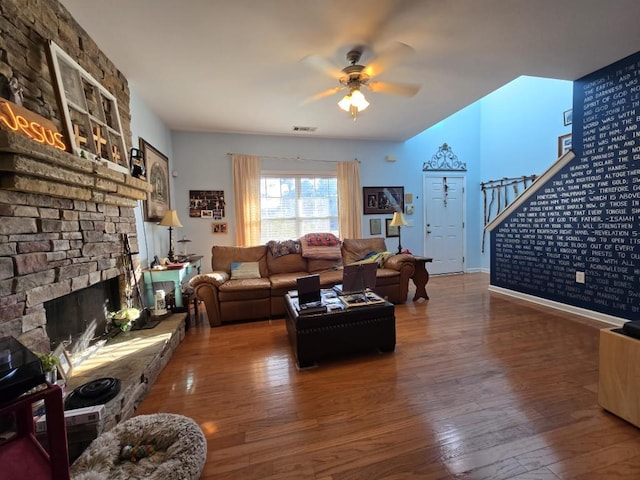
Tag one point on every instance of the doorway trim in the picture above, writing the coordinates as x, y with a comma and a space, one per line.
440, 175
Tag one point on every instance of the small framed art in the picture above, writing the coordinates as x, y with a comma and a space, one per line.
219, 227
64, 367
564, 144
375, 226
390, 231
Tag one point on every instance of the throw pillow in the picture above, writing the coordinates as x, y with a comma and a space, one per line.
244, 270
322, 239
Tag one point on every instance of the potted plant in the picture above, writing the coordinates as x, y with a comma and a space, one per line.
49, 365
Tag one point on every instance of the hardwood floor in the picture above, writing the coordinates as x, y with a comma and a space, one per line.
480, 386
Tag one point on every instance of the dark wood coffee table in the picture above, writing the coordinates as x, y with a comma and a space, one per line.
343, 331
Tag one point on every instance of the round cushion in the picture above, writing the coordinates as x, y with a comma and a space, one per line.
180, 450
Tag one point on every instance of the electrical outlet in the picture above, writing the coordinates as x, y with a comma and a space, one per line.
579, 277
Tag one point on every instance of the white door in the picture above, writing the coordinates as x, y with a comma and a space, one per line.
444, 222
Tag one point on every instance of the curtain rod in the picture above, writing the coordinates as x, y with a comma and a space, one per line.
294, 159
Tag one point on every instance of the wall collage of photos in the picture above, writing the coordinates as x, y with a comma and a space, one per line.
208, 204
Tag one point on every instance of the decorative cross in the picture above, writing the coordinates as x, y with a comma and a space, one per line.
99, 139
115, 153
80, 140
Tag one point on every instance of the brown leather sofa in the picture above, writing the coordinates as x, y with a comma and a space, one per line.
228, 300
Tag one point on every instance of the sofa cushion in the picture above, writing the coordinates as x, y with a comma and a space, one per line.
312, 251
247, 289
354, 249
386, 276
286, 263
223, 256
283, 282
317, 265
331, 277
240, 270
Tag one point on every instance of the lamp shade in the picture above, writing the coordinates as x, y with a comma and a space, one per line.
170, 219
398, 220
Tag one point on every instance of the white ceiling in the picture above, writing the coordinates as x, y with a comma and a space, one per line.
235, 65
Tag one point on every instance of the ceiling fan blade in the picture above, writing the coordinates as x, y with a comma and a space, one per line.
324, 65
323, 94
387, 58
405, 89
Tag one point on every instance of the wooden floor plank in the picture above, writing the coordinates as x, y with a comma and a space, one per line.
481, 385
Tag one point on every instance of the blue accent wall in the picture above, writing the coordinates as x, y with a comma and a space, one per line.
585, 218
509, 133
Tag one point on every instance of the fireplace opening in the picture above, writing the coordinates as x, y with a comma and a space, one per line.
79, 320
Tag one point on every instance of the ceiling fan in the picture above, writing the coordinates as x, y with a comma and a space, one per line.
355, 76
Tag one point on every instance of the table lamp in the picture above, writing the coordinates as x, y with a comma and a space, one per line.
170, 220
399, 221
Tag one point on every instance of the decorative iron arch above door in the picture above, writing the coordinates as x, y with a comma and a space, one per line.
444, 160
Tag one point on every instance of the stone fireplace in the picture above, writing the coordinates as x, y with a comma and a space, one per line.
62, 224
79, 320
62, 217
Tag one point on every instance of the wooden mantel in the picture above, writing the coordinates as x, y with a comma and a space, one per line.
27, 166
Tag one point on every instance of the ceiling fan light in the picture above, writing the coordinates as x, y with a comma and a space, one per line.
358, 100
345, 103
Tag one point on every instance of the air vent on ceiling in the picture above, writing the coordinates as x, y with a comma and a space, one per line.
304, 129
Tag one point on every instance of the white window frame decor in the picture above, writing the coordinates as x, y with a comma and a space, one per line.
298, 218
89, 112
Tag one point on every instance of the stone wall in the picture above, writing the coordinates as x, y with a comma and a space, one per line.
26, 26
51, 245
61, 217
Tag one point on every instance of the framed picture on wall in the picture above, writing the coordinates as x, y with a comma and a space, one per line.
157, 167
564, 144
219, 227
568, 117
378, 200
209, 201
375, 226
390, 231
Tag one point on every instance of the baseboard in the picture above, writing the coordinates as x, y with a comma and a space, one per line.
583, 312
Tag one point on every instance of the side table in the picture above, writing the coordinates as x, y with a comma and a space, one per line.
177, 276
421, 277
618, 389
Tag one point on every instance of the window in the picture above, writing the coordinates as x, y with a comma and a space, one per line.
90, 113
293, 205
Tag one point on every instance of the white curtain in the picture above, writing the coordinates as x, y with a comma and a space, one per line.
246, 194
349, 200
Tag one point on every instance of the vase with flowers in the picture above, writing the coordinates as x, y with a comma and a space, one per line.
125, 318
